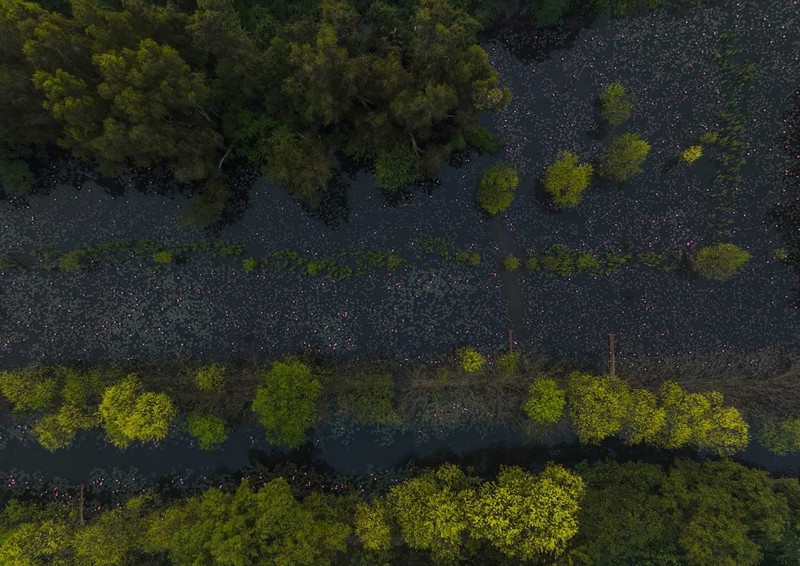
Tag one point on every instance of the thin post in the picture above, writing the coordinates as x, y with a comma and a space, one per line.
612, 363
510, 340
81, 507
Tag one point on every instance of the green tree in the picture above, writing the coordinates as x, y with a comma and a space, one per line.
720, 262
781, 438
497, 188
33, 388
508, 363
470, 359
128, 413
692, 154
511, 262
286, 403
615, 104
565, 180
546, 401
211, 377
396, 168
209, 430
645, 418
58, 430
373, 524
431, 510
525, 515
624, 157
598, 405
34, 544
114, 537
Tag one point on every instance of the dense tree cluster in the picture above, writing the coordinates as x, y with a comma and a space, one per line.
720, 261
142, 84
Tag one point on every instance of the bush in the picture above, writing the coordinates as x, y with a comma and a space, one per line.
396, 168
546, 401
615, 104
508, 363
471, 258
211, 377
783, 438
511, 262
207, 429
250, 264
470, 359
720, 262
780, 254
497, 188
71, 261
624, 157
33, 388
709, 137
164, 256
692, 154
565, 180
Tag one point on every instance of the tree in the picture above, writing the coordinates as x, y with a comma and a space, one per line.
470, 359
615, 104
128, 413
114, 537
372, 524
645, 418
720, 261
32, 544
211, 377
598, 405
508, 363
29, 389
565, 180
497, 188
511, 262
781, 438
396, 168
209, 430
431, 510
525, 515
58, 430
692, 154
546, 401
624, 157
286, 403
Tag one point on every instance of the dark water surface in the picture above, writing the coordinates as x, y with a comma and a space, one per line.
216, 310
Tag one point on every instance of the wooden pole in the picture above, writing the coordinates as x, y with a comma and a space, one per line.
81, 507
612, 362
510, 340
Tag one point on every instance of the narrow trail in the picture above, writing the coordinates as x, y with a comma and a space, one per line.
512, 291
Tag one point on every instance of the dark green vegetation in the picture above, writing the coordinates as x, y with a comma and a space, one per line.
497, 188
606, 513
292, 91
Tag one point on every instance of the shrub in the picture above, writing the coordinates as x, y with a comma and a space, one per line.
720, 262
692, 154
709, 137
783, 438
314, 268
511, 262
164, 256
470, 359
471, 258
780, 254
565, 180
393, 261
508, 363
211, 377
546, 401
250, 264
33, 388
532, 263
128, 413
615, 104
71, 261
624, 157
396, 168
587, 262
598, 405
207, 429
497, 188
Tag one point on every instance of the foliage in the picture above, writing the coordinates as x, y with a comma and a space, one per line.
508, 363
549, 12
511, 262
250, 264
497, 188
468, 257
208, 204
58, 430
524, 515
367, 397
565, 180
164, 256
71, 261
209, 430
645, 419
546, 401
210, 377
720, 261
372, 524
128, 413
692, 154
708, 138
598, 405
286, 403
396, 168
781, 438
624, 157
615, 104
33, 388
470, 359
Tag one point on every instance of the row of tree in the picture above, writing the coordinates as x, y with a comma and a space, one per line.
398, 85
717, 512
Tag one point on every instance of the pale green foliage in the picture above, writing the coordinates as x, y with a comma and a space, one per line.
546, 401
508, 363
431, 510
211, 377
470, 359
692, 154
615, 104
720, 262
645, 418
373, 524
624, 157
700, 420
497, 188
524, 515
128, 413
29, 389
209, 430
598, 405
782, 438
286, 403
36, 544
58, 430
565, 180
